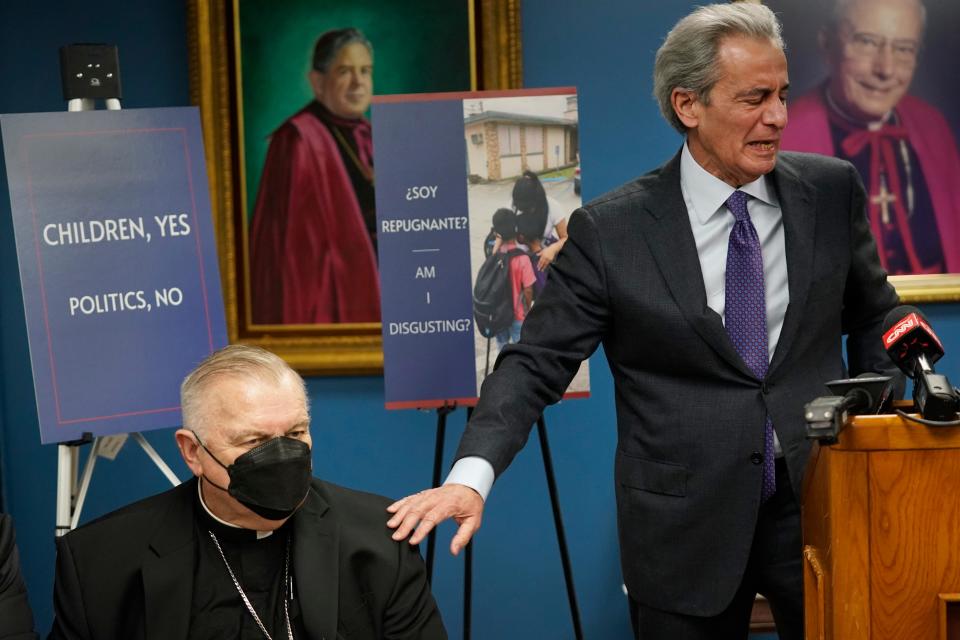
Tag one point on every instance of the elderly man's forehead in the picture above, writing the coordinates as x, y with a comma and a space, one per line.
352, 52
232, 388
855, 12
234, 402
351, 43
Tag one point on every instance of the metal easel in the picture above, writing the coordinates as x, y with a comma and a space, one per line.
90, 72
442, 414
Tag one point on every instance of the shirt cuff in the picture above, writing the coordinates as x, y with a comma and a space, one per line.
474, 472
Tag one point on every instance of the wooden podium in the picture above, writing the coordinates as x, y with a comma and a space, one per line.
881, 533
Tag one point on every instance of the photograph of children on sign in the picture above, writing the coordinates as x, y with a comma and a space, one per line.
523, 182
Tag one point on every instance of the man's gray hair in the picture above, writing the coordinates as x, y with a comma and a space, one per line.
234, 361
688, 58
330, 43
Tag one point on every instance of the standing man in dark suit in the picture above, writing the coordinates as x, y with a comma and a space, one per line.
720, 286
253, 547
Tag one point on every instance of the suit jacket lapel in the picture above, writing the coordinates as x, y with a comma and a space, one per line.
798, 204
316, 566
666, 228
168, 570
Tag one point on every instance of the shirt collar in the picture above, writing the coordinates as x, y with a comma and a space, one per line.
260, 534
707, 193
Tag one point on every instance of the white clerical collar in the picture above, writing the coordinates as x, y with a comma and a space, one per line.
260, 534
708, 193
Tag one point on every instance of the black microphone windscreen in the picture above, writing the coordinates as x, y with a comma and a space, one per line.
897, 314
907, 336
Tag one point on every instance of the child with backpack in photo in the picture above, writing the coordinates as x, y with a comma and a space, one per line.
504, 288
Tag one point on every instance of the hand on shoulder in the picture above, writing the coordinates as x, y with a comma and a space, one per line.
419, 513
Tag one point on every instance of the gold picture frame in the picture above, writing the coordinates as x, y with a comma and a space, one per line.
213, 48
920, 289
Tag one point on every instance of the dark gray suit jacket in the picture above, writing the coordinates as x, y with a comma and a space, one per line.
690, 414
130, 574
16, 618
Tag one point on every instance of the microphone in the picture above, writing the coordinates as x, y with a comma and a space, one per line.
867, 393
913, 346
826, 416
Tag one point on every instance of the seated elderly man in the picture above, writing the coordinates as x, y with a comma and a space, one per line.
253, 546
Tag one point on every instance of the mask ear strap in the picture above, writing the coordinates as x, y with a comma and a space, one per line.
200, 442
209, 481
217, 460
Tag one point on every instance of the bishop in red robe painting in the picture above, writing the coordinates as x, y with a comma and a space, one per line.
902, 146
313, 234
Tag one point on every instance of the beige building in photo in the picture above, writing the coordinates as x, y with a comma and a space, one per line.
503, 145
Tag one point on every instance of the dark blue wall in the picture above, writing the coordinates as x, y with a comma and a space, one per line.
604, 48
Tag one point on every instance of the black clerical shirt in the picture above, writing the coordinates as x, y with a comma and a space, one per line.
217, 610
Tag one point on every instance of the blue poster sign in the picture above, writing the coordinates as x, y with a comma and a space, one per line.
446, 163
118, 265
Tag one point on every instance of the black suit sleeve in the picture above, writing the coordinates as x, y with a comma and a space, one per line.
411, 613
564, 328
16, 618
70, 620
868, 296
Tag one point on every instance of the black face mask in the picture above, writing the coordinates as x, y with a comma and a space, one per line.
272, 479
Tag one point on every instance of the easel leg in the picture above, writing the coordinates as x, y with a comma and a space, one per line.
66, 480
68, 468
467, 588
486, 369
558, 523
468, 564
70, 496
84, 483
442, 414
155, 457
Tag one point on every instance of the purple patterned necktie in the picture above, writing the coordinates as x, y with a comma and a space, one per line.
746, 313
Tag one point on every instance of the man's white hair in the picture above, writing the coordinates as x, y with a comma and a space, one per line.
688, 58
234, 361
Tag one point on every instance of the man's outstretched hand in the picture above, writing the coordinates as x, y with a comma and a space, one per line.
420, 513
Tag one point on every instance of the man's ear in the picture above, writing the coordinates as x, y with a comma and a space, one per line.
189, 450
316, 84
687, 107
